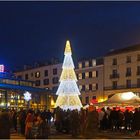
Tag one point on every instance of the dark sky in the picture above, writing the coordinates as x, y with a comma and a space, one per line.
37, 31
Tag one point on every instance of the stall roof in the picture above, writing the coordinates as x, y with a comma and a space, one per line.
22, 88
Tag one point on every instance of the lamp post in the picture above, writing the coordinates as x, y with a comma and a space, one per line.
6, 99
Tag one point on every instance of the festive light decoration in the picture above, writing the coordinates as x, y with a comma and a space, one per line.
27, 96
2, 104
68, 92
52, 102
1, 68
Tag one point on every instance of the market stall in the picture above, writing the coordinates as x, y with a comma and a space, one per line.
121, 99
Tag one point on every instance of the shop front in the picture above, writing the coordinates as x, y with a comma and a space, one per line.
13, 91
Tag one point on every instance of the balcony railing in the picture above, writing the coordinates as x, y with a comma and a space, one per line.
114, 76
122, 87
128, 74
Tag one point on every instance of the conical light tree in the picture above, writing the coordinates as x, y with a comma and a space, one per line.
68, 92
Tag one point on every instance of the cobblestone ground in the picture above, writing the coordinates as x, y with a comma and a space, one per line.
100, 135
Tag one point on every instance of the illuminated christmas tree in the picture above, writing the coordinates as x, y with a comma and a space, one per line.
68, 92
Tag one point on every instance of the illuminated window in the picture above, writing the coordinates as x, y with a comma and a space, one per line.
87, 87
37, 74
79, 65
1, 68
87, 74
94, 86
86, 64
80, 87
93, 62
80, 76
94, 74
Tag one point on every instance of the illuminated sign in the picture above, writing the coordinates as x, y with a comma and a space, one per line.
1, 68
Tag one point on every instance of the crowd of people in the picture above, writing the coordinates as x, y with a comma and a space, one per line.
89, 122
32, 124
38, 124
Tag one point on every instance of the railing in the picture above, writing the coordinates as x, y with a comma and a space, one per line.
16, 82
122, 87
114, 76
128, 74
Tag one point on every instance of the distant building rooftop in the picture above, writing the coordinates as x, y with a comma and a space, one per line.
8, 81
124, 50
99, 60
53, 61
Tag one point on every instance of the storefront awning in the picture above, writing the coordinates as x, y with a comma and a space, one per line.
22, 88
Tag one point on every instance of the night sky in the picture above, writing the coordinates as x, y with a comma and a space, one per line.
37, 31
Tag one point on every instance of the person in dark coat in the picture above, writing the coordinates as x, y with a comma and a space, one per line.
49, 116
22, 118
43, 128
136, 121
82, 120
128, 119
4, 125
92, 122
58, 119
75, 123
15, 120
114, 118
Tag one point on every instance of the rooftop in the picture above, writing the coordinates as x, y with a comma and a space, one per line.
99, 60
124, 50
53, 61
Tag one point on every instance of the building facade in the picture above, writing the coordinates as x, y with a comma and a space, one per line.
12, 92
89, 75
122, 71
46, 76
118, 71
90, 80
